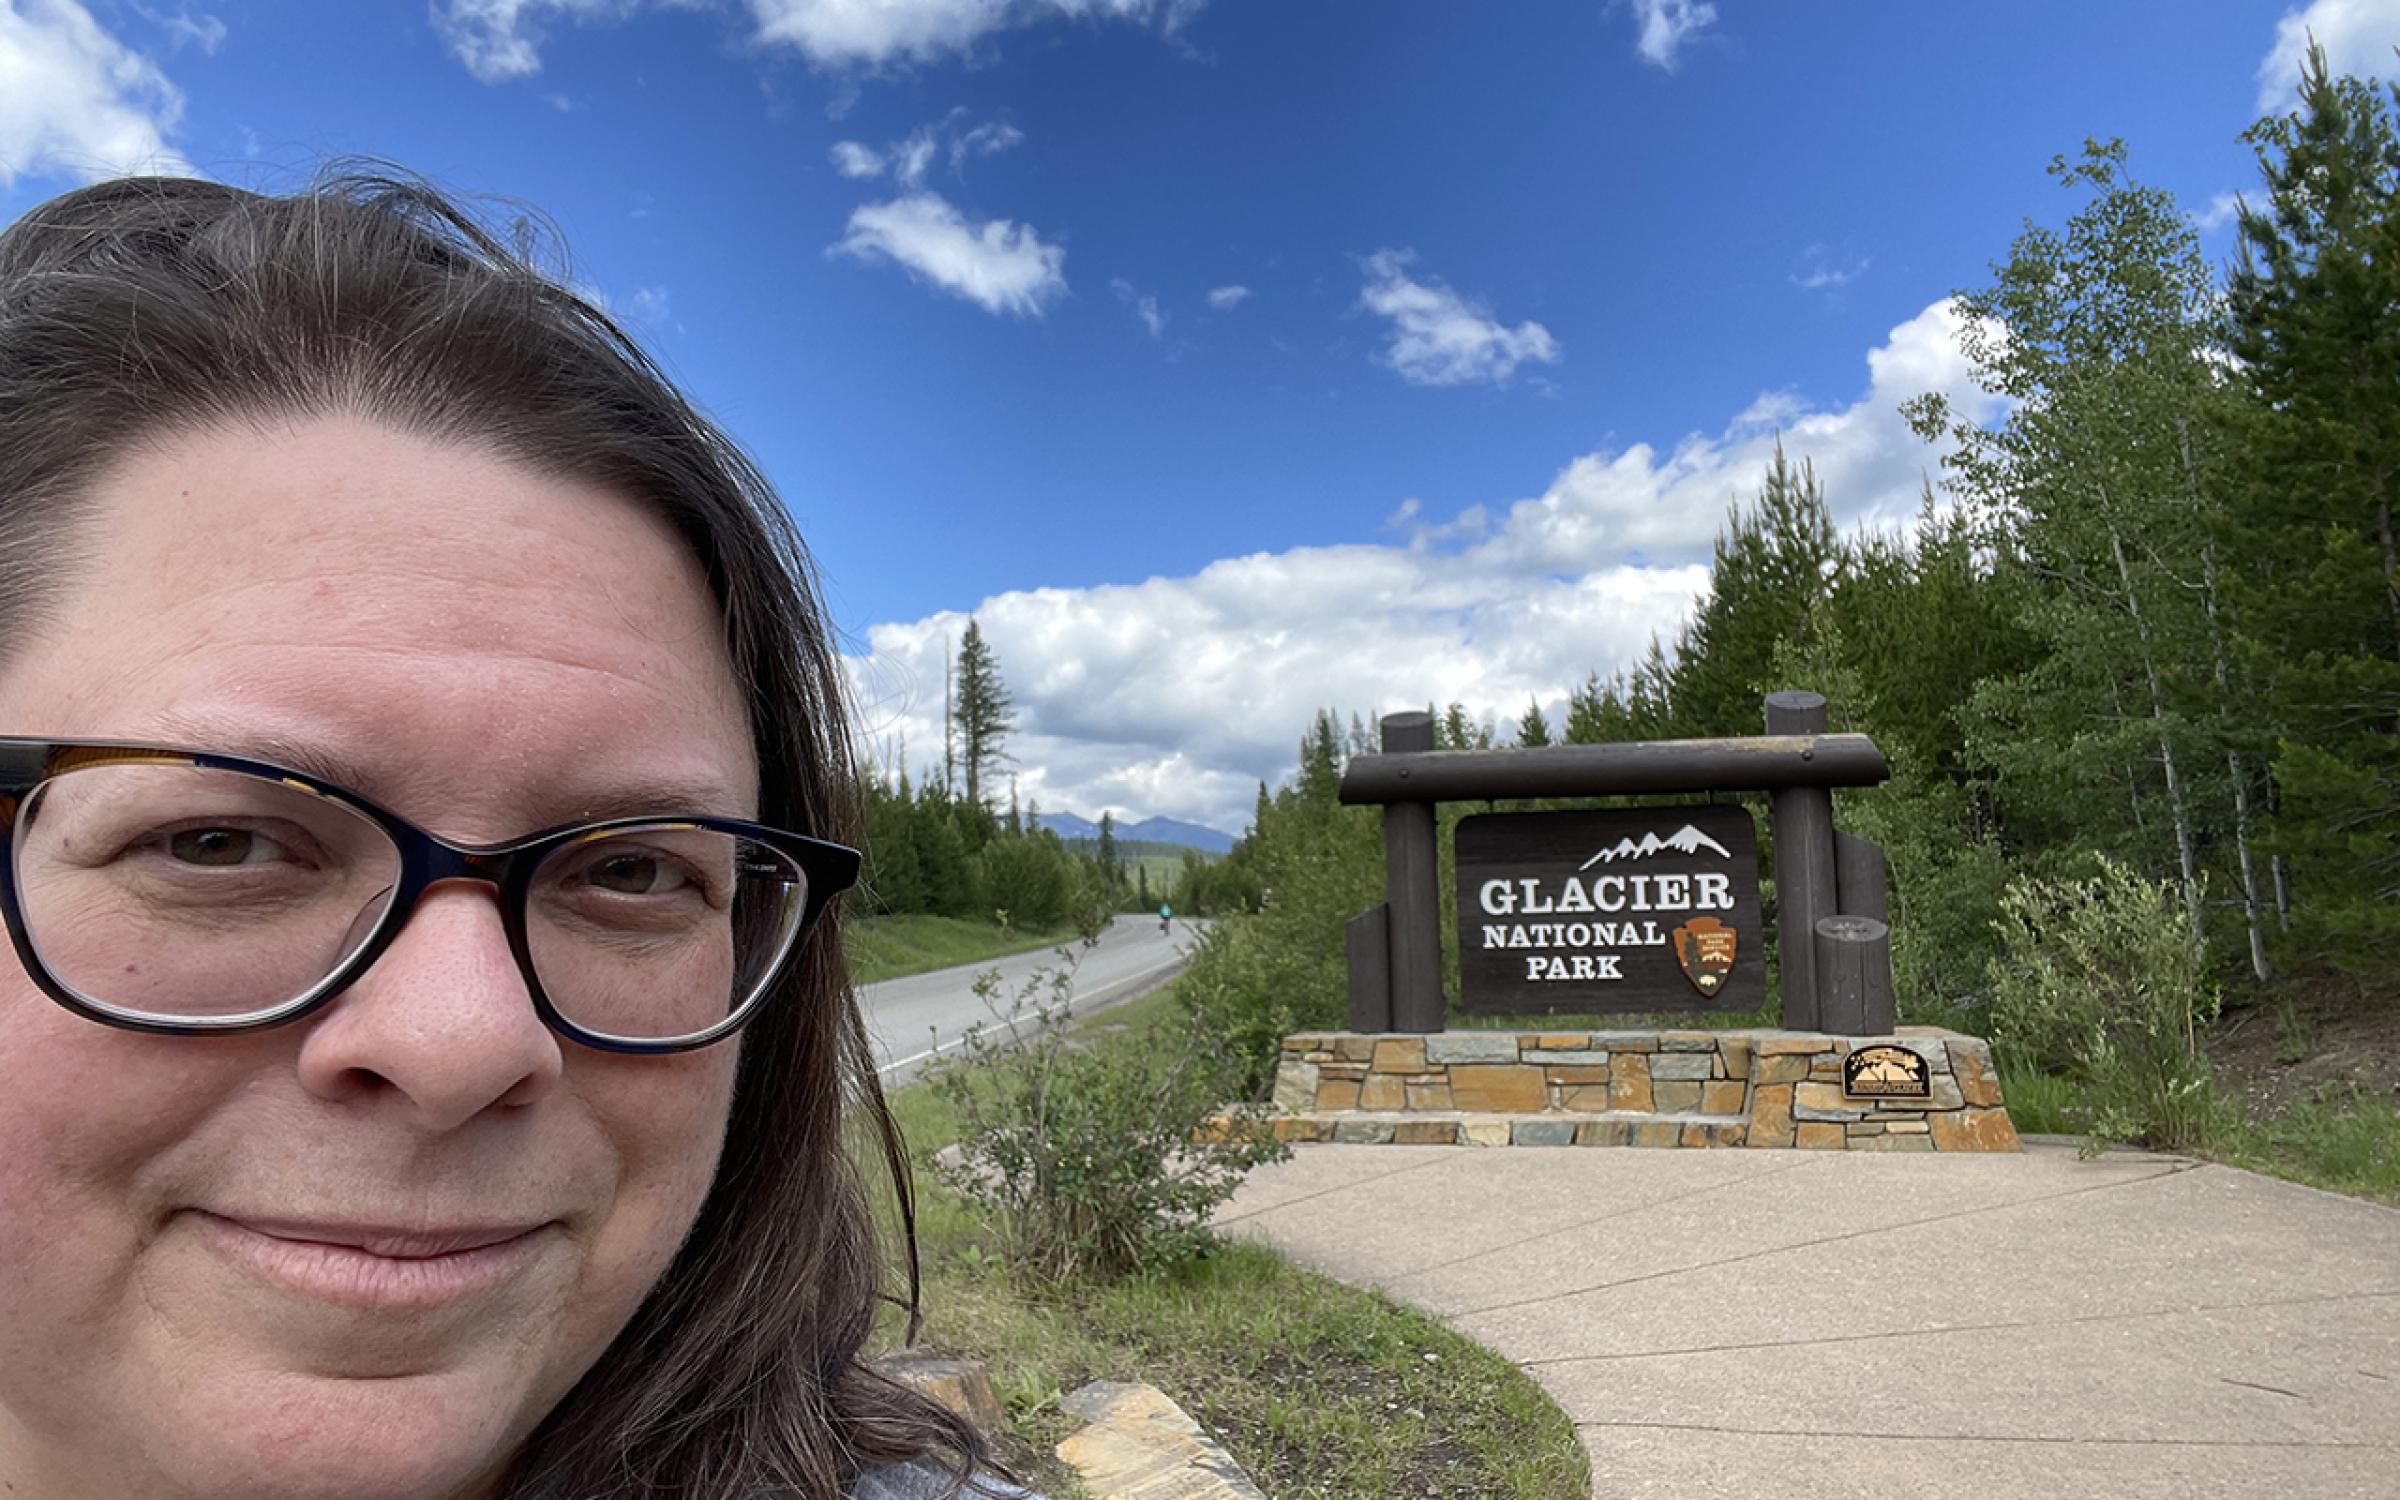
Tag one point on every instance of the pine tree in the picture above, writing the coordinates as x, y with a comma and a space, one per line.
1533, 731
1770, 566
984, 712
1320, 763
1112, 866
2315, 513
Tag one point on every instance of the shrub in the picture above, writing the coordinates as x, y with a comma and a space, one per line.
1090, 1159
2099, 978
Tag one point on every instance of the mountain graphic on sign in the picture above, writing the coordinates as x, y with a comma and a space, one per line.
1684, 840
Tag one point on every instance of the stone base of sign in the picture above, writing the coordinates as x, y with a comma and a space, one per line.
1757, 1089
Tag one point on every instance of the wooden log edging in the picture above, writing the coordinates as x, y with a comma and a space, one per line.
1754, 763
1757, 1089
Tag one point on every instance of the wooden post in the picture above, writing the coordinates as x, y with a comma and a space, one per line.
1853, 962
1368, 938
1412, 890
1804, 879
1858, 877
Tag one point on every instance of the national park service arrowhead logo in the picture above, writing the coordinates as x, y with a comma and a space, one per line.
1884, 1071
1704, 946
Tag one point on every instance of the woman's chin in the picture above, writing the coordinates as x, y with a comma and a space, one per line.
298, 1436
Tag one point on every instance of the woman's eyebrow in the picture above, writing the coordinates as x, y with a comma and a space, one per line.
308, 757
561, 800
632, 799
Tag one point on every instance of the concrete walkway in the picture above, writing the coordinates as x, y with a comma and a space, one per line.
1765, 1323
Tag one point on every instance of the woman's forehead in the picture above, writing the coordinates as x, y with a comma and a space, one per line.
431, 609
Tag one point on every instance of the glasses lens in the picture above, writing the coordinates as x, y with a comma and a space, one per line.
183, 894
662, 931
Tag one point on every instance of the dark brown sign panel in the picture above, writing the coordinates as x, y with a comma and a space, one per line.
1884, 1071
1633, 909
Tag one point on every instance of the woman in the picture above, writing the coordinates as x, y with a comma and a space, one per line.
355, 1141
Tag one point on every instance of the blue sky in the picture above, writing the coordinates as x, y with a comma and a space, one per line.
1229, 359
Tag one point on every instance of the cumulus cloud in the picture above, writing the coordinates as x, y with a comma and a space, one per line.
1663, 26
2357, 35
1001, 267
874, 32
1179, 695
76, 101
499, 40
1227, 298
1441, 338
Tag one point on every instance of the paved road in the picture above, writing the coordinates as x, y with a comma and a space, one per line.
1753, 1323
913, 1018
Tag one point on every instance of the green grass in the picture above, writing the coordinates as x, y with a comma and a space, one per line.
889, 947
2038, 1103
2344, 1143
2340, 1140
1321, 1391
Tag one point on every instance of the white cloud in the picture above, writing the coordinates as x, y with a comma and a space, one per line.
836, 33
654, 305
1145, 306
1179, 695
909, 160
1227, 298
1442, 338
854, 160
76, 101
205, 32
501, 39
988, 139
2357, 35
1665, 25
1818, 272
999, 266
2222, 210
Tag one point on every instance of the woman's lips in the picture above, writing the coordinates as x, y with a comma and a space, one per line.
375, 1266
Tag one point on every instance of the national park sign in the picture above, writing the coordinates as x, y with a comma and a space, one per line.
1638, 909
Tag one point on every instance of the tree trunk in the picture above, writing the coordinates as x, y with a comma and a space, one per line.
2133, 783
2233, 755
2184, 851
2391, 552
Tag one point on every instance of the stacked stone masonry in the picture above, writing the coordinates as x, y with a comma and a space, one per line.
1760, 1089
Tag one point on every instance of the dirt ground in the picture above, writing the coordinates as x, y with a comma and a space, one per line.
2309, 1033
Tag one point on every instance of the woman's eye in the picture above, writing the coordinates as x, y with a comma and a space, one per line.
637, 875
222, 847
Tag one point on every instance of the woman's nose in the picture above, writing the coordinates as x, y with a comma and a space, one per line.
441, 1027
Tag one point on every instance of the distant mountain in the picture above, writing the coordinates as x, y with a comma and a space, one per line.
1072, 828
1190, 835
1068, 826
1685, 840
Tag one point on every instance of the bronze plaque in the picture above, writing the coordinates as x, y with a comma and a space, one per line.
1631, 909
1884, 1071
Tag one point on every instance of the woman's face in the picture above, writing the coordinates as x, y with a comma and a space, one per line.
215, 1276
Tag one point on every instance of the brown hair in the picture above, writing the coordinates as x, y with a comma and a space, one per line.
136, 309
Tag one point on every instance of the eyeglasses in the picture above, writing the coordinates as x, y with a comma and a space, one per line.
188, 893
